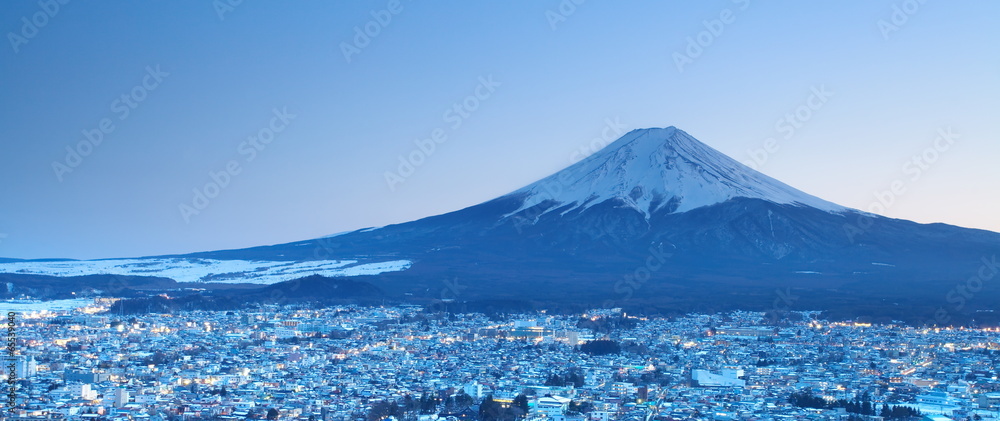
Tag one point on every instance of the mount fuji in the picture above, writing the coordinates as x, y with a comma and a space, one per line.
656, 221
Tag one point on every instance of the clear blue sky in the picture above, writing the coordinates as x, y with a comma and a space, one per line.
561, 76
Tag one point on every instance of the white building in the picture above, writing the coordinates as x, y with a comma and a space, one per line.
728, 377
82, 391
121, 397
475, 389
600, 416
145, 399
938, 402
572, 337
525, 323
285, 333
624, 389
26, 367
553, 407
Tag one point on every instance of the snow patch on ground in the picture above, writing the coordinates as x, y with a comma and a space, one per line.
207, 270
374, 268
38, 306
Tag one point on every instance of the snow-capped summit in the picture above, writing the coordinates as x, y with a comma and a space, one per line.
660, 170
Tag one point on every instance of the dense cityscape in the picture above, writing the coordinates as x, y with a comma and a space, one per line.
411, 363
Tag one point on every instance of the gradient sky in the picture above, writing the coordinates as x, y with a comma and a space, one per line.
559, 85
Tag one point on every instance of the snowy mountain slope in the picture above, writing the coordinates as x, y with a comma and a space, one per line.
654, 170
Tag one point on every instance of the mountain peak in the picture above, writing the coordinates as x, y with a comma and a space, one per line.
660, 170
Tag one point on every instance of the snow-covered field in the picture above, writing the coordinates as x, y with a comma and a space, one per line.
55, 305
207, 270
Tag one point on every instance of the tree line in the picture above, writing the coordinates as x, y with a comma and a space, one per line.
861, 405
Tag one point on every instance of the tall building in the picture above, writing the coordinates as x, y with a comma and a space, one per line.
474, 389
26, 367
121, 397
82, 391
